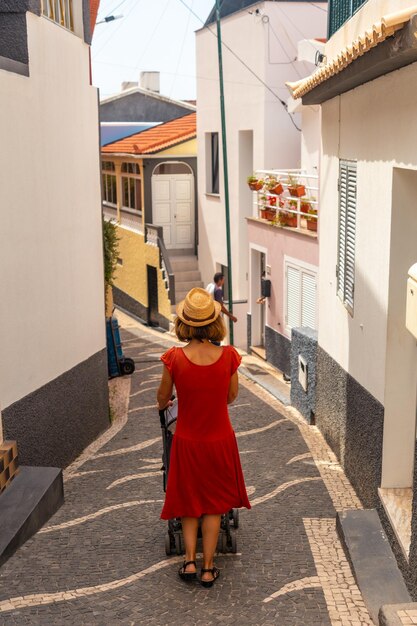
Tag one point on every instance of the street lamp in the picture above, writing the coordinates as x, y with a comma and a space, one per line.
109, 18
225, 170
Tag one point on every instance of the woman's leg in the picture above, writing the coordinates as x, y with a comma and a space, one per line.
210, 527
189, 531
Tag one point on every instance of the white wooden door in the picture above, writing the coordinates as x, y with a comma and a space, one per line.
173, 208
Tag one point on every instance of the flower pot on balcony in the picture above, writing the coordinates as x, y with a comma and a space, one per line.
291, 221
312, 225
277, 189
297, 191
262, 213
270, 214
255, 183
305, 207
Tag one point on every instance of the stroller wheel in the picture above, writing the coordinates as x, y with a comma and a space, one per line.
235, 517
223, 543
233, 548
168, 549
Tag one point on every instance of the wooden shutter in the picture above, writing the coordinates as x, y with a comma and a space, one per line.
347, 233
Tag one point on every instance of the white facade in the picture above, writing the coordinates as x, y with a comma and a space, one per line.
373, 345
52, 313
260, 133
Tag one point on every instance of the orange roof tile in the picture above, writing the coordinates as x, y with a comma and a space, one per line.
94, 6
157, 138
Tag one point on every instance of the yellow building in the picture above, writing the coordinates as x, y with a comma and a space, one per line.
149, 190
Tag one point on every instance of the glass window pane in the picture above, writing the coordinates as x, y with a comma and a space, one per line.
138, 194
172, 168
132, 204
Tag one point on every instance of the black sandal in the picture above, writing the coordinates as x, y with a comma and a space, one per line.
187, 576
209, 583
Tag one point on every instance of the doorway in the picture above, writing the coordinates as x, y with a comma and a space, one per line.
257, 304
173, 203
401, 364
152, 279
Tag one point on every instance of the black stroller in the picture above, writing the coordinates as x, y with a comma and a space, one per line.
174, 541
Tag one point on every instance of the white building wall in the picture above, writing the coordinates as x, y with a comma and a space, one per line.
374, 126
52, 313
267, 44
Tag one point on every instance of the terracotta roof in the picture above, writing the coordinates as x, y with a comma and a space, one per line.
94, 6
370, 38
158, 138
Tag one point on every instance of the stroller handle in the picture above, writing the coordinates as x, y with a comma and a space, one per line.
162, 414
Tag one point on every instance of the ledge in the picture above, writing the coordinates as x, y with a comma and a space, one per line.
299, 231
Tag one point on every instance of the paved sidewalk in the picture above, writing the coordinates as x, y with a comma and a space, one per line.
101, 558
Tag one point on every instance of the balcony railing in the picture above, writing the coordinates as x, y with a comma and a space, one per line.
154, 237
340, 11
287, 198
128, 218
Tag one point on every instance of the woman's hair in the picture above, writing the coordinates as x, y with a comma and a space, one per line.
216, 331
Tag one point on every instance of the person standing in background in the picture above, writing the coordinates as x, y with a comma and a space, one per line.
219, 295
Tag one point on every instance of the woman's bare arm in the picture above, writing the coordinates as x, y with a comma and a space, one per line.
165, 389
233, 389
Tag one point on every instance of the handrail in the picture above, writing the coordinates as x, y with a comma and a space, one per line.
164, 259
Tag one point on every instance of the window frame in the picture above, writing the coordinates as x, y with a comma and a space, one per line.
59, 11
129, 177
106, 174
213, 163
346, 246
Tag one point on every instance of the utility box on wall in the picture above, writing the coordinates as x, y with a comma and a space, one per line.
411, 310
303, 371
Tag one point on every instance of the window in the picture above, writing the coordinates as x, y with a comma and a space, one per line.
301, 287
345, 270
60, 11
131, 187
212, 163
109, 182
172, 168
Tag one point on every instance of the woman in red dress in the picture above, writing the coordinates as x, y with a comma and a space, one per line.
205, 477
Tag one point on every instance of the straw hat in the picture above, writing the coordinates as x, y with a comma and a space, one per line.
198, 308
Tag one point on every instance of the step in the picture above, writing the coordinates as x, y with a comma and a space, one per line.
185, 286
34, 495
372, 560
184, 264
187, 276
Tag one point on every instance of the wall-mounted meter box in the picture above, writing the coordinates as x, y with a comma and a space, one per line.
411, 314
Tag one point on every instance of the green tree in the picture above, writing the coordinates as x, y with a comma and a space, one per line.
111, 250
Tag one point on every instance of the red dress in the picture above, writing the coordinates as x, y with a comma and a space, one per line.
205, 475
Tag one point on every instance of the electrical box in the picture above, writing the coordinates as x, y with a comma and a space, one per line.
411, 311
302, 372
265, 288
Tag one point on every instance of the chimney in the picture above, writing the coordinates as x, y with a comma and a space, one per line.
129, 85
150, 81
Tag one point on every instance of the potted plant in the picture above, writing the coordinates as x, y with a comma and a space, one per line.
274, 185
255, 183
295, 188
312, 221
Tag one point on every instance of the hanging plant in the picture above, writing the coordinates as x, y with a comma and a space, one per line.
110, 250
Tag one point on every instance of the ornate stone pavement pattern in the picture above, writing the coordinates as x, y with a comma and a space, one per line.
101, 559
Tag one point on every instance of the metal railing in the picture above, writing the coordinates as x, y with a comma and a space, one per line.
280, 208
155, 237
340, 11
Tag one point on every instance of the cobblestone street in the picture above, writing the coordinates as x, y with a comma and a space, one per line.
101, 558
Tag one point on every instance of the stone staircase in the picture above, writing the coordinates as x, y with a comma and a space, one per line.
187, 275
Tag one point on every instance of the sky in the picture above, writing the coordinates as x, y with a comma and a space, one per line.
153, 35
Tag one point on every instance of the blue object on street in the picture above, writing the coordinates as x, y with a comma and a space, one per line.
118, 364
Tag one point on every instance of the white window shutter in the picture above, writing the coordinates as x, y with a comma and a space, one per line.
308, 300
293, 297
347, 233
